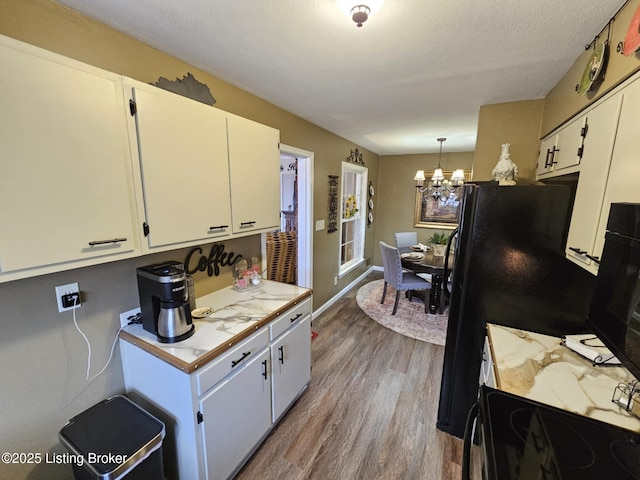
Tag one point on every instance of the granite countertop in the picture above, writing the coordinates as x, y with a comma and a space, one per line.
236, 315
540, 368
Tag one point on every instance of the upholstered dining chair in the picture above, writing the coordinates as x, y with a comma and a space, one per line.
405, 239
409, 239
395, 276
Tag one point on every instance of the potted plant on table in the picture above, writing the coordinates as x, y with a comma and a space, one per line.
438, 241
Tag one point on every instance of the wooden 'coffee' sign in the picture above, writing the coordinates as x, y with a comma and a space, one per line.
217, 258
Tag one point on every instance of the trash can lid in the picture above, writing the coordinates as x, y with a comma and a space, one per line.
113, 436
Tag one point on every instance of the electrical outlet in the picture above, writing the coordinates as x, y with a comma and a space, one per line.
335, 280
68, 297
125, 317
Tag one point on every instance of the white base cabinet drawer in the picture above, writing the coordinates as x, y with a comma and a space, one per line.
288, 318
231, 361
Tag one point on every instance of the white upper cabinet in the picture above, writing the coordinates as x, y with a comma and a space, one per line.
601, 123
183, 168
65, 189
562, 150
254, 165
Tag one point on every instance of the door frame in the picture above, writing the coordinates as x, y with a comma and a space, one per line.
305, 163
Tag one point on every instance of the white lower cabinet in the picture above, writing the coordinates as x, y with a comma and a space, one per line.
218, 415
236, 415
290, 365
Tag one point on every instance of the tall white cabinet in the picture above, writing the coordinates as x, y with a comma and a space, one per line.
583, 242
65, 188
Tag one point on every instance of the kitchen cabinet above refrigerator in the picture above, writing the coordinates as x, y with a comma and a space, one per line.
608, 170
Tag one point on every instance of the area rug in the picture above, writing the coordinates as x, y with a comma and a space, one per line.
410, 319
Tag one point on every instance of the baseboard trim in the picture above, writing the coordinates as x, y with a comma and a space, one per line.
342, 292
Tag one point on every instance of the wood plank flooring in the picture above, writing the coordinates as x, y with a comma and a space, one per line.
370, 410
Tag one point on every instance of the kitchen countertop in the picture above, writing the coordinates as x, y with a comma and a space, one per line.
236, 315
539, 367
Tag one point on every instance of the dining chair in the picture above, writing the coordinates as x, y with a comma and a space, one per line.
405, 239
399, 279
409, 239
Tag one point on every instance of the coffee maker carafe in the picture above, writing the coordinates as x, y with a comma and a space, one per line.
164, 301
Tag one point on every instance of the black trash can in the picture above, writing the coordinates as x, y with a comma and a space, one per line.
115, 439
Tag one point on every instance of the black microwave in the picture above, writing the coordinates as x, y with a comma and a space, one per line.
614, 314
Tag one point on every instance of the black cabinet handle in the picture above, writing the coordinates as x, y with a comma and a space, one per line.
578, 250
546, 160
236, 362
103, 242
553, 156
219, 227
593, 258
264, 369
281, 356
293, 319
247, 224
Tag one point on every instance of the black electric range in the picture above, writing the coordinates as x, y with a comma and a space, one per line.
526, 440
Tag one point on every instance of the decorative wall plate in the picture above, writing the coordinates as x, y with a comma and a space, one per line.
632, 38
594, 69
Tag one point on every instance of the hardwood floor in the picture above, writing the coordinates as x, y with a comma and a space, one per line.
370, 410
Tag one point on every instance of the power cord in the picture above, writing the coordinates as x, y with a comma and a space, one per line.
113, 346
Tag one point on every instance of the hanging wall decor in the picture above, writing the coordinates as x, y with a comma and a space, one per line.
355, 157
333, 204
371, 204
189, 87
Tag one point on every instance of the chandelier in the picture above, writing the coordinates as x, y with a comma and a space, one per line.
439, 186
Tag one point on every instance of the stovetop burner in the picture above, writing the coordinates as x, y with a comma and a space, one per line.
526, 440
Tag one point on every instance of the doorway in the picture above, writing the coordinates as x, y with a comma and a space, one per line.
296, 211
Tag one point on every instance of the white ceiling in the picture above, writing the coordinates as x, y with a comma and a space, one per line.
415, 71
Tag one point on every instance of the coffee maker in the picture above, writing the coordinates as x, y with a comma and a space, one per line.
164, 301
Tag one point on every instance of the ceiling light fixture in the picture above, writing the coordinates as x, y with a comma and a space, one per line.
439, 186
359, 12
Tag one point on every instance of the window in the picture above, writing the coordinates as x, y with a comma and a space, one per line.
353, 216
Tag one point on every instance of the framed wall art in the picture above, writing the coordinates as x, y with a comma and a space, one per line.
442, 212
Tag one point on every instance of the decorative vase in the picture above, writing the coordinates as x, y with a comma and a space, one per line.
438, 250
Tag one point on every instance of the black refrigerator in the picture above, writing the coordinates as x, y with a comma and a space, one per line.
510, 269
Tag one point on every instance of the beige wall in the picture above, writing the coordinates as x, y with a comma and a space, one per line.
43, 358
396, 194
516, 123
563, 102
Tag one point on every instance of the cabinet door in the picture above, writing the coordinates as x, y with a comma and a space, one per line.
65, 188
291, 365
182, 148
602, 123
236, 415
545, 157
254, 164
622, 183
568, 145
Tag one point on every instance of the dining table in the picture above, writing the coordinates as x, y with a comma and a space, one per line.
427, 262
